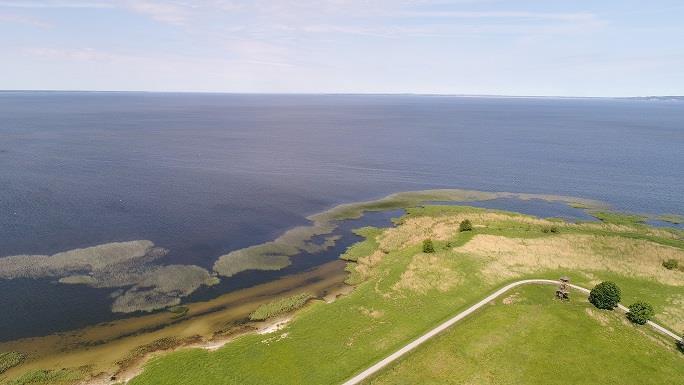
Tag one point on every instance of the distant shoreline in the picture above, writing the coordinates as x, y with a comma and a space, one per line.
484, 96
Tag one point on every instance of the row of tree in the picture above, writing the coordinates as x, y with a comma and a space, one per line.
606, 295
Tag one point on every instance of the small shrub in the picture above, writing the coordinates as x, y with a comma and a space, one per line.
550, 229
466, 225
670, 264
605, 295
640, 312
428, 247
680, 344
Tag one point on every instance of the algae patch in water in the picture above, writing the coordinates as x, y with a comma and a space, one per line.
111, 265
148, 285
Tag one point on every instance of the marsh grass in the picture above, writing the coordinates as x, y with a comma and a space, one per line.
275, 255
165, 343
49, 377
280, 306
355, 277
675, 219
363, 248
9, 360
178, 311
619, 218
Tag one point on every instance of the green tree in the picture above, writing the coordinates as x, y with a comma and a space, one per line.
605, 295
680, 344
640, 312
670, 264
465, 225
428, 247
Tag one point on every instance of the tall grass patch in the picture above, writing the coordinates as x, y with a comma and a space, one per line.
281, 306
9, 360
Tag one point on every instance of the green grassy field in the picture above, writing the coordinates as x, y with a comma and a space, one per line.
403, 292
527, 337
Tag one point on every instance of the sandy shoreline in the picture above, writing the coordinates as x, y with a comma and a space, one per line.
264, 327
215, 322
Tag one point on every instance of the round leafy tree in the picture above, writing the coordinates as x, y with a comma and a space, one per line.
428, 247
465, 225
605, 295
640, 312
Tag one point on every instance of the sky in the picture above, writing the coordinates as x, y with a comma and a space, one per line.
485, 47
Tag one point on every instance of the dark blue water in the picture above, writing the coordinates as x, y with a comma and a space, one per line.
204, 174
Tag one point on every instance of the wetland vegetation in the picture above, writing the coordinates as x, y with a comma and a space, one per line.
279, 306
402, 290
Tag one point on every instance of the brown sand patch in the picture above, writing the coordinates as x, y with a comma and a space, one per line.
510, 257
428, 272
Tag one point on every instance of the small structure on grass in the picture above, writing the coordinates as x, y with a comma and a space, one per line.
563, 291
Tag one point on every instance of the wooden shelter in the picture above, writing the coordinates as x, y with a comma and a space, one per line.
563, 291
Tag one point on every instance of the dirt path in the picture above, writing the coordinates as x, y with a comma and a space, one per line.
415, 343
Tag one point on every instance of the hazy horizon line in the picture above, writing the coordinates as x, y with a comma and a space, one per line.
347, 93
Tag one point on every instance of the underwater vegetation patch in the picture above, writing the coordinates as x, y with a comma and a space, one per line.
111, 265
147, 285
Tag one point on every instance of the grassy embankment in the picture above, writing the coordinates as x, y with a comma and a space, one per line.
403, 292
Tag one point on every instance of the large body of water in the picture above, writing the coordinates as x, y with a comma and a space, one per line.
204, 174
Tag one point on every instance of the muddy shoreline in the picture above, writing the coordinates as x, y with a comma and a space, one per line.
208, 323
